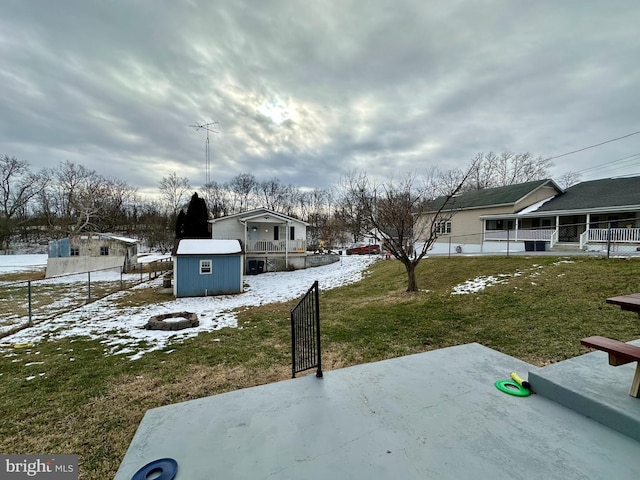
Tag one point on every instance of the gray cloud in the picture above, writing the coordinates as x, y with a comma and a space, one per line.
308, 91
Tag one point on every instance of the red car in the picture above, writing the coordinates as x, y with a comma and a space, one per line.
364, 250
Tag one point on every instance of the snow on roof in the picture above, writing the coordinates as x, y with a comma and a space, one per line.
206, 246
121, 239
535, 206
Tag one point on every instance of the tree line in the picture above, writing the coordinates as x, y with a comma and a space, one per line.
70, 199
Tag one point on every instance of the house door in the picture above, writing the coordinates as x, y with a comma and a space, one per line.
571, 228
254, 234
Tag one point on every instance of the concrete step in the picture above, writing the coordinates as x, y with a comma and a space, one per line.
566, 247
590, 386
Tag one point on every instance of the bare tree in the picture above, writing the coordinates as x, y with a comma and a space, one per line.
569, 179
241, 187
79, 199
399, 213
174, 190
217, 198
508, 168
80, 194
155, 227
351, 208
271, 193
118, 197
18, 186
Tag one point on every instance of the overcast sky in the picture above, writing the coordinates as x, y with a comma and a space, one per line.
307, 91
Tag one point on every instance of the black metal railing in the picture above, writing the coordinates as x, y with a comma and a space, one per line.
305, 333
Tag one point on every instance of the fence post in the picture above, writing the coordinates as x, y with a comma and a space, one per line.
508, 241
29, 298
121, 272
317, 315
89, 286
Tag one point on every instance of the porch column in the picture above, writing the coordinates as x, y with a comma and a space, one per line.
516, 225
244, 258
286, 245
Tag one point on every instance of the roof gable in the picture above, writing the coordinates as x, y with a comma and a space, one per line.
603, 193
492, 197
256, 213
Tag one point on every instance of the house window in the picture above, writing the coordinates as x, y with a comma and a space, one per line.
205, 267
75, 251
292, 233
276, 233
443, 227
104, 251
500, 224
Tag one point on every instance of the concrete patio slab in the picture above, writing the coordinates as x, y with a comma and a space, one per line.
592, 387
432, 415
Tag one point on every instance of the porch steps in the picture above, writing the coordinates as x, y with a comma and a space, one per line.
590, 386
566, 247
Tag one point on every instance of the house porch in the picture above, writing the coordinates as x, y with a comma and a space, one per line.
580, 230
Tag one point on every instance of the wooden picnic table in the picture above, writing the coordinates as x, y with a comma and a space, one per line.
629, 302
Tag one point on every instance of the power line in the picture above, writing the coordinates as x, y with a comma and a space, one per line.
612, 162
593, 146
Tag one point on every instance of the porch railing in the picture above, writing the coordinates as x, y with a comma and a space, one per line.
275, 246
614, 235
554, 238
584, 239
544, 234
305, 333
592, 235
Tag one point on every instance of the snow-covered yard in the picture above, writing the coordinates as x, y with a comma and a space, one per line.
121, 330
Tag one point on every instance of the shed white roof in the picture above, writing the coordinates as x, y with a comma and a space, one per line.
207, 246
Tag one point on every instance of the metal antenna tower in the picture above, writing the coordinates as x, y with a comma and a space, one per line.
209, 127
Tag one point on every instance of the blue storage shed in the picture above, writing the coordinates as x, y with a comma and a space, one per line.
203, 267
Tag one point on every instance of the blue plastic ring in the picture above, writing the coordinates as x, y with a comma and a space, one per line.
167, 467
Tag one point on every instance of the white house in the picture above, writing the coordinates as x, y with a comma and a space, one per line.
272, 241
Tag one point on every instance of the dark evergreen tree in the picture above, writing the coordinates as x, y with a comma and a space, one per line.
180, 224
196, 223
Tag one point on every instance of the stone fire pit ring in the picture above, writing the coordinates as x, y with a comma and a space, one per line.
157, 322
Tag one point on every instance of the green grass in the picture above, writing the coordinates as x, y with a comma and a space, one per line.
91, 404
50, 298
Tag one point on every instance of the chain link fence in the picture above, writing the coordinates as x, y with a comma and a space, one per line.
26, 303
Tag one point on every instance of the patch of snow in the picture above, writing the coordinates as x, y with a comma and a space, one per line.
20, 263
477, 284
153, 257
121, 329
563, 261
